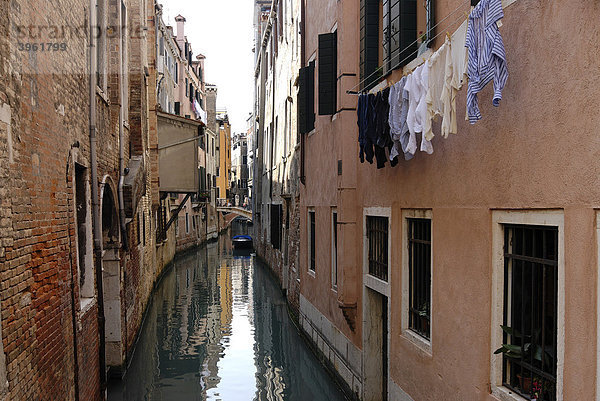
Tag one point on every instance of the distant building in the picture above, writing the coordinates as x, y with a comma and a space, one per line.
239, 170
224, 170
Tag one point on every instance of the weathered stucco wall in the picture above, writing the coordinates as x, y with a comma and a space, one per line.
536, 151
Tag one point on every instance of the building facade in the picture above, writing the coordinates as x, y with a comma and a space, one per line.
276, 184
239, 170
224, 170
408, 273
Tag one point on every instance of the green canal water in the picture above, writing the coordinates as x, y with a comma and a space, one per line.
217, 328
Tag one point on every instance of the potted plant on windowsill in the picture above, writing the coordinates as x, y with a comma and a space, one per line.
424, 317
529, 385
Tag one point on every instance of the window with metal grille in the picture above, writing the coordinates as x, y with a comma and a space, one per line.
377, 235
530, 305
312, 241
419, 271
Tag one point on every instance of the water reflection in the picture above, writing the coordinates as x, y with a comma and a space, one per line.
218, 329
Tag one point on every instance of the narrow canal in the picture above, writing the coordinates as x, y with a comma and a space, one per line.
218, 328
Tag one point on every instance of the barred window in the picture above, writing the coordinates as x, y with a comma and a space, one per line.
419, 266
530, 310
377, 234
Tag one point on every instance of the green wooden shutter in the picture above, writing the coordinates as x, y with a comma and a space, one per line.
407, 31
302, 91
306, 99
327, 73
369, 42
310, 93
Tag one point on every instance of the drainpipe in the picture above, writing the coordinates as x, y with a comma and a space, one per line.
73, 300
124, 241
97, 229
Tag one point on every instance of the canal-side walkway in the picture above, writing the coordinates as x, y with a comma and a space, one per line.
217, 328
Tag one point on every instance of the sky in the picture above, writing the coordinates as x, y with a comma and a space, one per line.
222, 31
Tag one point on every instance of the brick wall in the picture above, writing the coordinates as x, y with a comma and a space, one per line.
45, 96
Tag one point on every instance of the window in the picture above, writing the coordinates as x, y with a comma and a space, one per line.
419, 272
84, 233
177, 108
306, 99
187, 223
125, 55
144, 227
202, 179
276, 215
311, 241
334, 248
328, 73
405, 24
377, 236
530, 310
100, 44
528, 299
139, 235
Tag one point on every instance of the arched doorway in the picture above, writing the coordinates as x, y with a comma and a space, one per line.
111, 277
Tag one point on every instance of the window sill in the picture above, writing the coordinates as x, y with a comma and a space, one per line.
504, 394
100, 92
86, 304
421, 343
312, 274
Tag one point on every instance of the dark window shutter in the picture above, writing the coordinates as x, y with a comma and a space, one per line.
202, 179
276, 214
306, 99
369, 42
177, 108
302, 91
407, 31
310, 93
327, 73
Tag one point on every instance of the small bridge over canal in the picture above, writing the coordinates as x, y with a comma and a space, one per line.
233, 212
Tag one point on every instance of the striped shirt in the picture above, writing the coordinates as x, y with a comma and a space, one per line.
487, 58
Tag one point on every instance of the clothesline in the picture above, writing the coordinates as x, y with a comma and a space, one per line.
353, 91
459, 19
391, 118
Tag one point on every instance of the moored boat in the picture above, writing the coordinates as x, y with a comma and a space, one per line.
242, 242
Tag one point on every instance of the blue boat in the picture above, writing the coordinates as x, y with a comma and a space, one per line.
242, 242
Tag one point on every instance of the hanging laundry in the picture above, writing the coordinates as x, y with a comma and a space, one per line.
382, 140
399, 133
456, 75
416, 85
437, 84
487, 57
364, 126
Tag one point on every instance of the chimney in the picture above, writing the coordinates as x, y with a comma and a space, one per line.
180, 27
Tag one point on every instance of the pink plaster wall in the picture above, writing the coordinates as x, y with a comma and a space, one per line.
539, 149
